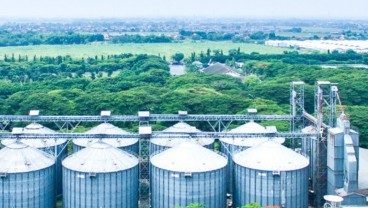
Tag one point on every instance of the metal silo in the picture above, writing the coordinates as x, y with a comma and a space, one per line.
188, 173
48, 145
270, 175
309, 147
100, 176
161, 143
126, 144
27, 177
231, 145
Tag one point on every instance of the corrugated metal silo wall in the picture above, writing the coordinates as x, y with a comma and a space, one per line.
310, 149
228, 149
173, 189
266, 189
116, 189
58, 173
155, 147
134, 148
335, 162
34, 189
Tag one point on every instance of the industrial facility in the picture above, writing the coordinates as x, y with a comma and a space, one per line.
315, 164
359, 46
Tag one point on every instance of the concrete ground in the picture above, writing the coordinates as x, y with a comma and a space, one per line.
363, 168
177, 70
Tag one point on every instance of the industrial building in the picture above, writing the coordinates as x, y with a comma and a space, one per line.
26, 177
55, 146
231, 145
359, 46
188, 174
270, 174
182, 171
100, 176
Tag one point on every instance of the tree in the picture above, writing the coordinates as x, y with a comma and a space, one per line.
191, 68
177, 57
252, 205
193, 205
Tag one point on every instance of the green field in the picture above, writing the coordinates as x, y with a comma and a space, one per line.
163, 49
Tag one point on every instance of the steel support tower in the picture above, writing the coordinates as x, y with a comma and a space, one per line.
325, 109
296, 108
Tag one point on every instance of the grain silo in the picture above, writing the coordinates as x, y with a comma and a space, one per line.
100, 176
188, 173
126, 144
48, 145
27, 177
309, 148
271, 175
230, 145
165, 141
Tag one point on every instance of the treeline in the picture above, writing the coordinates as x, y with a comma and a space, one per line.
30, 38
24, 39
244, 37
333, 57
46, 68
141, 39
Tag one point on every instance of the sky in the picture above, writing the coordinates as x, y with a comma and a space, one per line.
312, 9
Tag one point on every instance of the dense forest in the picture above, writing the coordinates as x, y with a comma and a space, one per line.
126, 84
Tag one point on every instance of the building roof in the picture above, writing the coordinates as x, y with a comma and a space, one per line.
188, 157
217, 68
35, 128
106, 128
270, 156
251, 127
180, 127
18, 158
100, 157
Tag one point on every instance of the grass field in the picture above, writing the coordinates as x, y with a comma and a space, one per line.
163, 49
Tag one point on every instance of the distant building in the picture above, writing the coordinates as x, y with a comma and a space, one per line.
359, 46
218, 68
198, 64
106, 37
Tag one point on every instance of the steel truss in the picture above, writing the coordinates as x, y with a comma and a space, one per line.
158, 135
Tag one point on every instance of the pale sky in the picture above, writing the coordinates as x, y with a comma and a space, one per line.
334, 9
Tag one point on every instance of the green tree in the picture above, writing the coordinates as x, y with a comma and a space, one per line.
178, 57
191, 68
252, 205
194, 205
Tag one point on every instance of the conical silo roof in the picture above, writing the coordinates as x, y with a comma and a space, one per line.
270, 156
106, 128
188, 157
250, 127
19, 158
35, 128
100, 157
180, 127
